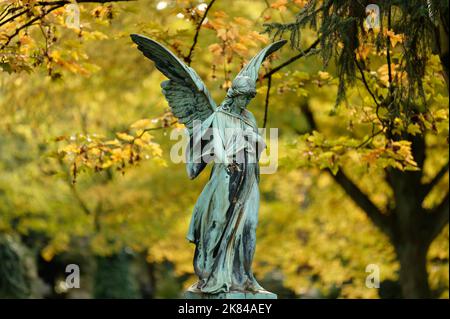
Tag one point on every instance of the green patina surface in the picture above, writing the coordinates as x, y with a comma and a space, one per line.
224, 220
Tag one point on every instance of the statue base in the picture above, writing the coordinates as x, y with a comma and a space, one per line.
194, 293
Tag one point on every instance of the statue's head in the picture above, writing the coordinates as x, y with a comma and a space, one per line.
242, 90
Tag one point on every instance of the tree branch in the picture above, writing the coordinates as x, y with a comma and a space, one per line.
366, 84
14, 16
383, 222
5, 12
276, 69
55, 5
188, 58
266, 109
293, 59
429, 186
51, 3
29, 23
46, 3
84, 207
438, 218
388, 50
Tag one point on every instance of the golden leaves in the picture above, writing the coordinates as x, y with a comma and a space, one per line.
125, 137
243, 22
396, 72
363, 51
324, 75
235, 42
279, 5
215, 49
301, 3
103, 12
317, 150
141, 124
239, 48
97, 153
259, 37
394, 38
396, 154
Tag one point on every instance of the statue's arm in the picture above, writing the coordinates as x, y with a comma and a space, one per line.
195, 164
200, 147
220, 141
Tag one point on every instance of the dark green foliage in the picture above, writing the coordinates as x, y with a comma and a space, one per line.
113, 278
13, 279
341, 22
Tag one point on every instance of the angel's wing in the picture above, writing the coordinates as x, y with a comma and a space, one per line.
188, 97
252, 67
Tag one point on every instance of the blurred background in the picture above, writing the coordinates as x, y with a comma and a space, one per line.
358, 207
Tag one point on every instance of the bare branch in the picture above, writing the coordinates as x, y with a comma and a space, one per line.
84, 207
276, 69
14, 16
370, 138
366, 84
29, 23
429, 186
188, 58
438, 218
383, 222
388, 51
49, 3
293, 59
266, 109
5, 12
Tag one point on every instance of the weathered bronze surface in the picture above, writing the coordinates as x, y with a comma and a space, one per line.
224, 220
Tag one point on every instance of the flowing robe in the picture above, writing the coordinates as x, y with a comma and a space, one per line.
224, 220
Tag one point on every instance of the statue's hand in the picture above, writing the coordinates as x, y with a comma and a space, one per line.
232, 168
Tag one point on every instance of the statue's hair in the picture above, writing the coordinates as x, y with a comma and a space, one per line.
242, 85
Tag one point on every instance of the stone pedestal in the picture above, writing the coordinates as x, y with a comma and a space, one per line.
194, 293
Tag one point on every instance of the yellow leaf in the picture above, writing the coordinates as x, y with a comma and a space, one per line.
48, 253
362, 52
260, 37
220, 14
395, 38
146, 137
279, 5
125, 137
222, 33
324, 75
239, 48
141, 124
114, 142
242, 21
413, 129
301, 3
215, 49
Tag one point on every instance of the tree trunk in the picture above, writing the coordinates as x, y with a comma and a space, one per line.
412, 256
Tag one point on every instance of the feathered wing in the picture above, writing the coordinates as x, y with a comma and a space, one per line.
251, 69
188, 97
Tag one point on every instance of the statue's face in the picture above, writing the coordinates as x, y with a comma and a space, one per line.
242, 100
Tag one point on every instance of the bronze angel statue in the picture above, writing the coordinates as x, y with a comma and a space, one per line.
223, 223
